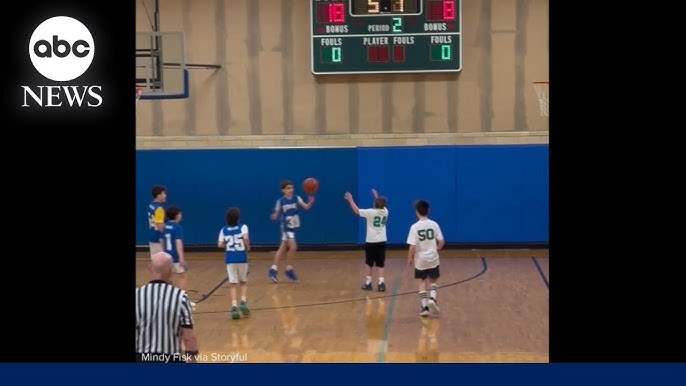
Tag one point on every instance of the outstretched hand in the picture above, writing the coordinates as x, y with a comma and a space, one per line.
310, 199
374, 193
348, 196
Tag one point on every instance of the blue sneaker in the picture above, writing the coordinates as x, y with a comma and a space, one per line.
291, 275
382, 286
234, 312
272, 275
367, 287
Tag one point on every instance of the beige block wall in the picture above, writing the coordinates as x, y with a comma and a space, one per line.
265, 95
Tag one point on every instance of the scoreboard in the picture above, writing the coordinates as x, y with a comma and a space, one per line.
385, 36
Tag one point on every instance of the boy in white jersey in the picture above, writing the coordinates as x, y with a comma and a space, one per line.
425, 240
375, 241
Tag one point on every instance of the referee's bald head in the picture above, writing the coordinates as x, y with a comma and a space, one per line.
161, 265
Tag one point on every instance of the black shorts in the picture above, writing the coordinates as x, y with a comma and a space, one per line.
375, 254
432, 273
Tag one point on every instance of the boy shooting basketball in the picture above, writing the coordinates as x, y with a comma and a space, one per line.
286, 211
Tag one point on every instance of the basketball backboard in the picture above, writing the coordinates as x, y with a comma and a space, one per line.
161, 65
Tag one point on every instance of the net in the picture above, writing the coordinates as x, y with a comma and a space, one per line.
541, 88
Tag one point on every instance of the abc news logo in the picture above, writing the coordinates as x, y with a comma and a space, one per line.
61, 49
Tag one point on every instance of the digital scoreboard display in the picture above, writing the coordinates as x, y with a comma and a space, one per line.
386, 36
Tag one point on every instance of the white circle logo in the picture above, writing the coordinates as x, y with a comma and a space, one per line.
61, 48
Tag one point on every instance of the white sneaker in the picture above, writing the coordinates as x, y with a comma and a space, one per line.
178, 268
425, 312
433, 306
193, 305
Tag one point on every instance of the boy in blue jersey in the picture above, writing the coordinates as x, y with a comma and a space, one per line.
234, 239
286, 211
172, 239
156, 218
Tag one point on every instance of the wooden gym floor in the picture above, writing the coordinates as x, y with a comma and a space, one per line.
494, 309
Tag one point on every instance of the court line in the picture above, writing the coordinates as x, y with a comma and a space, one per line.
389, 317
483, 271
213, 290
540, 272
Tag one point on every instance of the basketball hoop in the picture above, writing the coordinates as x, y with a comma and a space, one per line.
139, 92
541, 88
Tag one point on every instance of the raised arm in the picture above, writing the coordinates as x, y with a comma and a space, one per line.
349, 197
375, 194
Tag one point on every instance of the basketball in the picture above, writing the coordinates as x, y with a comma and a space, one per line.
310, 185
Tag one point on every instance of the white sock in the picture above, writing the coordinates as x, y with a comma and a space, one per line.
434, 291
422, 298
367, 280
275, 268
380, 280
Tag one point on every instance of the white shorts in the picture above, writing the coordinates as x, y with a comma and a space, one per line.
238, 272
154, 248
287, 236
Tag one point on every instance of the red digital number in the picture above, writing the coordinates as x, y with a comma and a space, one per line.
448, 10
322, 13
336, 13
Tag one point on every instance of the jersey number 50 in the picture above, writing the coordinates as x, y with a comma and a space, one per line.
426, 234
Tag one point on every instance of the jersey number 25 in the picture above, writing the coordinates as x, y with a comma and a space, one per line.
234, 243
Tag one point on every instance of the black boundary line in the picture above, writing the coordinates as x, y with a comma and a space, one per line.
205, 296
540, 271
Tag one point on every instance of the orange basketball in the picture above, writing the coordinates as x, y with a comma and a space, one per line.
310, 185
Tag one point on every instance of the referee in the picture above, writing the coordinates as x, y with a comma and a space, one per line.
163, 317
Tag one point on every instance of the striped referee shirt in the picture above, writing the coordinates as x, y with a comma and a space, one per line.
161, 310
